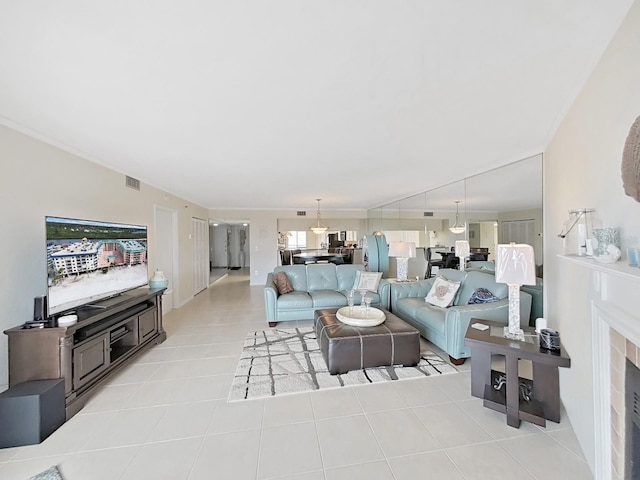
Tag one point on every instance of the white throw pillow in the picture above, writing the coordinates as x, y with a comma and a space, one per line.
367, 281
442, 292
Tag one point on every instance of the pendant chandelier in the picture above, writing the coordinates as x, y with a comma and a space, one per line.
457, 228
318, 228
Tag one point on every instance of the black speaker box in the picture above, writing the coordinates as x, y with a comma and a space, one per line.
31, 411
39, 308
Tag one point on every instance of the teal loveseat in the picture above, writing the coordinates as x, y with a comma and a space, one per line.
446, 327
316, 286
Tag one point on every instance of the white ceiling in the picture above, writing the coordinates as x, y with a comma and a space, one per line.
256, 104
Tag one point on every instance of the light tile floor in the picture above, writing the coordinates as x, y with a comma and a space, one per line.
166, 417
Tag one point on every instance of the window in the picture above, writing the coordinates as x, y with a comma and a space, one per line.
402, 236
296, 240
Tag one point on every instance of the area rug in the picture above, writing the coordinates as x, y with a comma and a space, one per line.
49, 474
281, 361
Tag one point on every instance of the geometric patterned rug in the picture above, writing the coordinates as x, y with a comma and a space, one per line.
49, 474
282, 361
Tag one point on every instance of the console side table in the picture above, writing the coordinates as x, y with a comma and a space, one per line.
544, 402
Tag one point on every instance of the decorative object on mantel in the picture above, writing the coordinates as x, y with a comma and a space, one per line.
631, 162
606, 244
318, 229
581, 219
613, 255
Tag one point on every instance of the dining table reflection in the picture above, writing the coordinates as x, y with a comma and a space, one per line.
316, 257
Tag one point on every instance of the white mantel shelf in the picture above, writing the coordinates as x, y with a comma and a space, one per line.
619, 268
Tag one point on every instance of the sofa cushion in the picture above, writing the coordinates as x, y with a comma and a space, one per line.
408, 307
346, 274
478, 279
367, 281
297, 275
328, 299
432, 317
282, 283
482, 295
442, 293
321, 277
294, 301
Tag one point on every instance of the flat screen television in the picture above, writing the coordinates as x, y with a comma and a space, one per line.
89, 261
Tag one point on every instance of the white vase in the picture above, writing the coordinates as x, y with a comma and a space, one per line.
158, 280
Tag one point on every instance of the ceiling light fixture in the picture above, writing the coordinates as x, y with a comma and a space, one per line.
318, 229
457, 228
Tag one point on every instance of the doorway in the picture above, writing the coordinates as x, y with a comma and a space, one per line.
229, 246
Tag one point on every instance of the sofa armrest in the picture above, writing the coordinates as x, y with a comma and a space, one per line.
384, 290
458, 318
270, 298
409, 289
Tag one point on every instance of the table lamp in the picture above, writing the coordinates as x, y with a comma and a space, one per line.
515, 266
403, 251
462, 251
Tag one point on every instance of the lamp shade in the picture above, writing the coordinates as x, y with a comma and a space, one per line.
462, 248
402, 249
515, 264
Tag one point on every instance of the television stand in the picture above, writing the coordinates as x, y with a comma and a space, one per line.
105, 339
93, 305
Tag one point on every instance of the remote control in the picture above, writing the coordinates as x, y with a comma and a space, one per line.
480, 326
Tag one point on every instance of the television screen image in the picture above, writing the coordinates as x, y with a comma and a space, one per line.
89, 261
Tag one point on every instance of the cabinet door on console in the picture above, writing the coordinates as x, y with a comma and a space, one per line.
90, 360
147, 325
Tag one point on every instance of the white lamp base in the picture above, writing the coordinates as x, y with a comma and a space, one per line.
518, 335
403, 269
513, 330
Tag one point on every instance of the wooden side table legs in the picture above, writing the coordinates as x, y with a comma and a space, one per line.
480, 371
546, 385
513, 393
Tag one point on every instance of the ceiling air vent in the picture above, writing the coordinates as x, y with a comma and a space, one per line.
133, 183
301, 213
428, 214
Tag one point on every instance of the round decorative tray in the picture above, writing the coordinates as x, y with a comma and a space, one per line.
359, 317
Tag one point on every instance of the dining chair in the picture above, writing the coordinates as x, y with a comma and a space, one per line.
432, 263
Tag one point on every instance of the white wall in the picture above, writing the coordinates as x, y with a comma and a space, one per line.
582, 169
39, 180
265, 224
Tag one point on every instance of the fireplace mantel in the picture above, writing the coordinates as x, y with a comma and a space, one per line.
615, 304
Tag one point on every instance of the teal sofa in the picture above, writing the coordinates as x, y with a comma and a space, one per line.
446, 327
316, 286
536, 291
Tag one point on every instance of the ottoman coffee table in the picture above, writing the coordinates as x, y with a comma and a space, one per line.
346, 347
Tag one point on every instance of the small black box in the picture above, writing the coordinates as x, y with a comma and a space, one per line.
31, 411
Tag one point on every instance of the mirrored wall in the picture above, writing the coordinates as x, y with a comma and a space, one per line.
498, 206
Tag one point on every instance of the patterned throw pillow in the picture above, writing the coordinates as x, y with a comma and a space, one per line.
482, 295
282, 283
442, 292
367, 281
